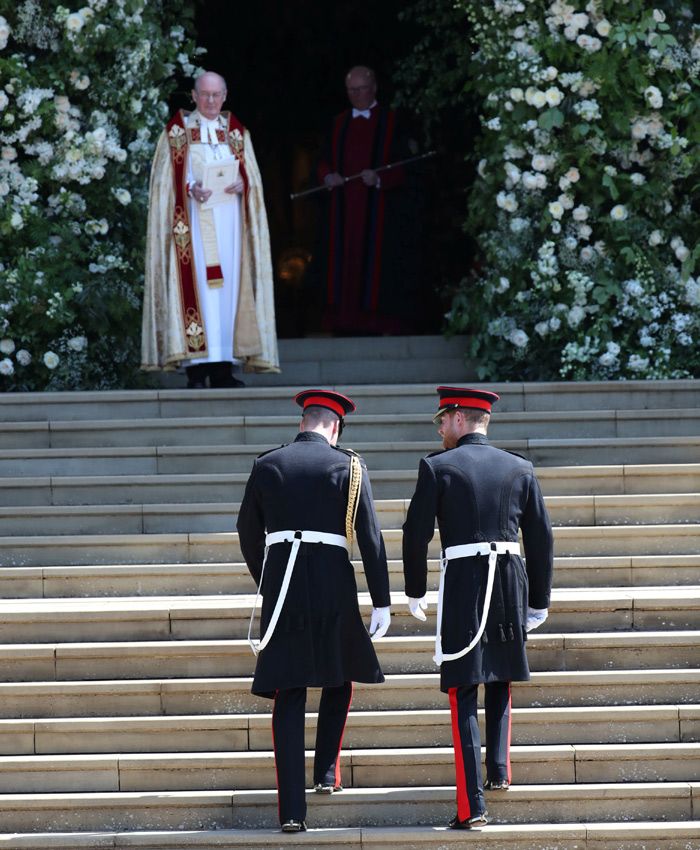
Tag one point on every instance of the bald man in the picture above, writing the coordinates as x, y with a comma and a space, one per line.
208, 295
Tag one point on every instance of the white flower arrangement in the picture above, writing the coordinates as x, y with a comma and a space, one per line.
70, 162
582, 200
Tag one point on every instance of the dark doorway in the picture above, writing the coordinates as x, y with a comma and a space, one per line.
285, 61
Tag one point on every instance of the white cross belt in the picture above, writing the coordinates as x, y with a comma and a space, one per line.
296, 538
493, 550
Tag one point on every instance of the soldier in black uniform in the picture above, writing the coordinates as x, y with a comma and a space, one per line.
294, 525
488, 599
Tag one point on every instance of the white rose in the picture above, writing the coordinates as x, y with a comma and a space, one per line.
581, 213
51, 360
655, 238
503, 285
586, 254
4, 100
584, 231
659, 16
9, 153
6, 367
530, 92
573, 175
4, 33
539, 99
554, 96
682, 253
542, 328
24, 358
74, 23
556, 210
518, 337
603, 28
566, 201
516, 95
7, 346
564, 183
122, 195
619, 212
550, 73
16, 221
556, 227
638, 179
77, 343
653, 97
540, 162
540, 181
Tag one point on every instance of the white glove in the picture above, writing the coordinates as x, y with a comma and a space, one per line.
417, 607
535, 618
379, 623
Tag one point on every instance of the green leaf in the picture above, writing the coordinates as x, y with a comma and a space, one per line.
550, 119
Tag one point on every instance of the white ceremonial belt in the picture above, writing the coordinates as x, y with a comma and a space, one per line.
468, 550
296, 538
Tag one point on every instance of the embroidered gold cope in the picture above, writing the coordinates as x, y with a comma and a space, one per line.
193, 254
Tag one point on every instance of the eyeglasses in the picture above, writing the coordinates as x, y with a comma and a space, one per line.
211, 95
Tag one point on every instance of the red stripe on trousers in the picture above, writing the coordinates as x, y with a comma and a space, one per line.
463, 807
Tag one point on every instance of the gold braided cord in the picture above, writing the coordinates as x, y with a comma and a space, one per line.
354, 487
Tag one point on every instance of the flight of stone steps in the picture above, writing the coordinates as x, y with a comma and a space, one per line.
126, 718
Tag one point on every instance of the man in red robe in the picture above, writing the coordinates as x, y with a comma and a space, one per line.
362, 268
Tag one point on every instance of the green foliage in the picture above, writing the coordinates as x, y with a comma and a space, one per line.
82, 101
588, 159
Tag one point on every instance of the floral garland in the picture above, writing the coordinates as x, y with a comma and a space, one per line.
582, 202
82, 101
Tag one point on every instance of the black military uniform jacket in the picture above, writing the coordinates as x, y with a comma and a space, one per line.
320, 639
480, 493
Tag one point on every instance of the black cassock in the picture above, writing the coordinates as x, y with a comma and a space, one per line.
481, 494
320, 639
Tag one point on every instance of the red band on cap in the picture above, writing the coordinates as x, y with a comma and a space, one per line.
466, 402
324, 401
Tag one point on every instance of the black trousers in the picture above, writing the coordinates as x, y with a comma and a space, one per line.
288, 742
467, 743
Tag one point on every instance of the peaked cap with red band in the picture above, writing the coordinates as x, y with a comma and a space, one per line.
453, 398
336, 402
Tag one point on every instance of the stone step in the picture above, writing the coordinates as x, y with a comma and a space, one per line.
210, 516
197, 579
387, 456
134, 659
361, 427
577, 836
403, 728
205, 820
391, 397
418, 691
225, 617
361, 768
91, 549
593, 482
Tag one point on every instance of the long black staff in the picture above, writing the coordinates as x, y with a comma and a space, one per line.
313, 191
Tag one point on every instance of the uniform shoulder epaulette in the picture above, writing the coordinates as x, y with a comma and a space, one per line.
438, 452
275, 449
345, 451
522, 457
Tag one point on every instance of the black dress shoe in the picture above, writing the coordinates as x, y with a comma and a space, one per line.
469, 823
496, 785
196, 376
292, 825
327, 788
221, 376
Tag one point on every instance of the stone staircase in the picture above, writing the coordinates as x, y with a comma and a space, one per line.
126, 718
